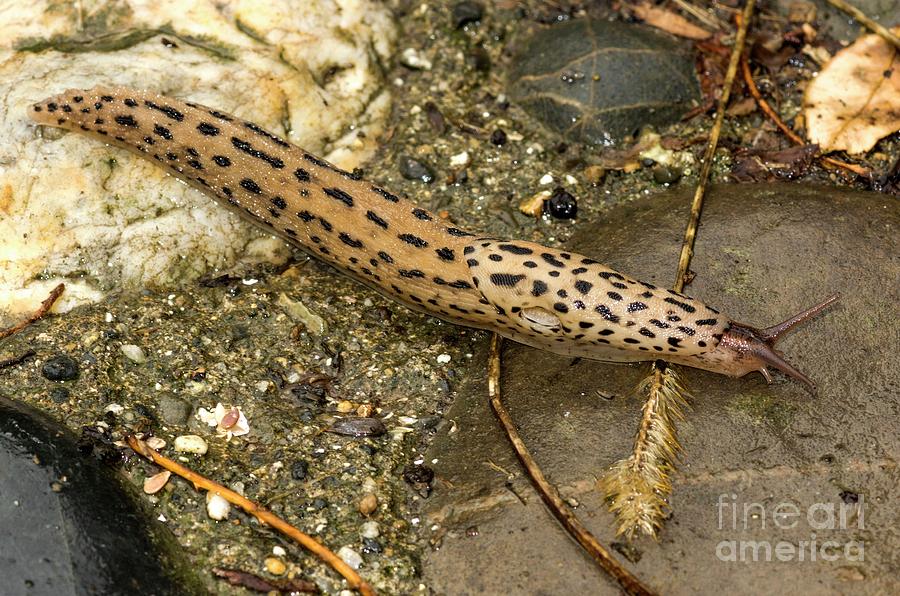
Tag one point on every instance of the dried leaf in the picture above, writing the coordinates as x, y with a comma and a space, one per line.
669, 21
855, 100
253, 582
765, 166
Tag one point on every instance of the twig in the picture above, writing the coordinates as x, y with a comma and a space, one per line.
16, 359
263, 515
794, 137
690, 234
701, 15
45, 307
860, 16
548, 493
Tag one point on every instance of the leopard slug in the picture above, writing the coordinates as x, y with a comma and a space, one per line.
543, 297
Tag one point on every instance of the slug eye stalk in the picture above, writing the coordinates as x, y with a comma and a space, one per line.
759, 344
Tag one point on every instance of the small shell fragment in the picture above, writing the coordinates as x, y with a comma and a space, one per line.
358, 427
155, 443
534, 205
134, 353
154, 484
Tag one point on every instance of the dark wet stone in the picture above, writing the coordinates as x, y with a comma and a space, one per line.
561, 204
358, 427
299, 469
69, 524
371, 546
466, 12
498, 137
480, 59
174, 410
599, 81
60, 395
666, 174
60, 368
413, 169
419, 478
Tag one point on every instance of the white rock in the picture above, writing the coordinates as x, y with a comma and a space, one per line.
370, 530
443, 358
191, 444
350, 557
216, 506
134, 353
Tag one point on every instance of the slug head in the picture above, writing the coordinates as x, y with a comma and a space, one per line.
744, 349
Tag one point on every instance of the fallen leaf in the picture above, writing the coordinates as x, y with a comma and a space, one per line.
855, 100
669, 21
765, 166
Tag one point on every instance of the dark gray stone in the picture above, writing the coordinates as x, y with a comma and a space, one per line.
598, 81
174, 410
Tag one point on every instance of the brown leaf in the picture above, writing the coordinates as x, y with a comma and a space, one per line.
764, 166
236, 577
669, 21
855, 100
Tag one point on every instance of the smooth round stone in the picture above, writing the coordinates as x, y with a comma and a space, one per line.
60, 368
598, 81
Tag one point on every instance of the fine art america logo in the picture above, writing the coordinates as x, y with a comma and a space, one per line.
819, 532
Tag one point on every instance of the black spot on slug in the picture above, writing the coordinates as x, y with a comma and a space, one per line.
538, 288
682, 305
251, 186
560, 307
167, 110
458, 233
349, 240
445, 254
673, 341
646, 332
550, 259
610, 275
301, 175
247, 148
707, 321
385, 194
636, 306
516, 250
414, 240
496, 258
326, 225
130, 102
614, 295
506, 279
583, 286
421, 214
530, 264
607, 314
162, 131
373, 217
208, 129
279, 202
410, 273
385, 257
340, 195
221, 160
126, 120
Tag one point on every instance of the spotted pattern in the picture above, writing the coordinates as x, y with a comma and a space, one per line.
543, 297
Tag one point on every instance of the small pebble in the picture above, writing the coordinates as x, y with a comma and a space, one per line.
443, 358
498, 137
275, 566
60, 368
413, 169
345, 407
358, 427
534, 205
191, 444
460, 159
299, 469
595, 174
368, 504
466, 12
561, 204
216, 506
411, 58
666, 174
155, 443
60, 395
278, 551
350, 557
370, 529
134, 353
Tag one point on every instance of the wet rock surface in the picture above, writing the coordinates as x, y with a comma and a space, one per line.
763, 252
598, 81
70, 526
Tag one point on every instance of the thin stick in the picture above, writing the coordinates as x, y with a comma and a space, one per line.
549, 494
860, 16
263, 515
16, 359
794, 137
690, 234
45, 307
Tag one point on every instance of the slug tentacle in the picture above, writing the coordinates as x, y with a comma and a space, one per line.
543, 297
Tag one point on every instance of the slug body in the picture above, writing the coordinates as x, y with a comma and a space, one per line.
539, 296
